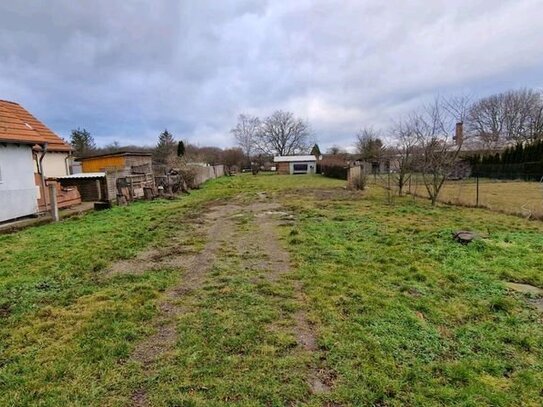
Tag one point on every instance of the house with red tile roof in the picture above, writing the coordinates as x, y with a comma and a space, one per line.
30, 153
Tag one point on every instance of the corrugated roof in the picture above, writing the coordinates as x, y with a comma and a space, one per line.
84, 175
293, 158
18, 125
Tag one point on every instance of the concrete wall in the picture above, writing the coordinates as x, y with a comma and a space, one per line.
18, 195
206, 173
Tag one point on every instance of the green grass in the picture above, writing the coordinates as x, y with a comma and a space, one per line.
403, 315
523, 198
409, 317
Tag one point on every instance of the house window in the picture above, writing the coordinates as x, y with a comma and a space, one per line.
299, 168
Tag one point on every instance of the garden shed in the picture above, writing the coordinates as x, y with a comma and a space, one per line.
296, 164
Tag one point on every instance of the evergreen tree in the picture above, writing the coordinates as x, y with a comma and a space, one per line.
165, 149
82, 142
180, 149
316, 151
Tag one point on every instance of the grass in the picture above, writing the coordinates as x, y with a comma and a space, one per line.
408, 317
402, 314
512, 197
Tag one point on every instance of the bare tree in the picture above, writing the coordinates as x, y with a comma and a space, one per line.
486, 120
434, 127
510, 117
283, 134
369, 144
522, 109
233, 157
335, 150
458, 107
246, 132
403, 153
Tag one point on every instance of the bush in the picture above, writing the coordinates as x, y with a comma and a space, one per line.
359, 182
188, 174
333, 171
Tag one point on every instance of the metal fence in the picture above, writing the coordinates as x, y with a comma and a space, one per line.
518, 197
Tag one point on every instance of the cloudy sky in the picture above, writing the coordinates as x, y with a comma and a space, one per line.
127, 69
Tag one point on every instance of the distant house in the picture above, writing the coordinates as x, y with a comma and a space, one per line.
296, 164
30, 154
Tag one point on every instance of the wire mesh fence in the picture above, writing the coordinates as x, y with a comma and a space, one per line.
518, 197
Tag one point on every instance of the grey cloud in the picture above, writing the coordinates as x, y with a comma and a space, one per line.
126, 70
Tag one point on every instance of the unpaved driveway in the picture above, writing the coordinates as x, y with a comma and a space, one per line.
218, 224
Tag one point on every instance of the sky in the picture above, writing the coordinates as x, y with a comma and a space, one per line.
125, 70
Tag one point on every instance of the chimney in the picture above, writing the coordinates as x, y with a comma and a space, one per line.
459, 133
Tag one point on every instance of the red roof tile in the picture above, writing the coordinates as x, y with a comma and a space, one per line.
17, 125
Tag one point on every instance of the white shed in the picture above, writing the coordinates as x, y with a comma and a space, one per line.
296, 164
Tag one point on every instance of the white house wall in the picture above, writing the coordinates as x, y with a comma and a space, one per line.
54, 164
17, 187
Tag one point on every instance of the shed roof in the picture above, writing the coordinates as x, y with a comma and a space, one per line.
117, 154
293, 158
18, 125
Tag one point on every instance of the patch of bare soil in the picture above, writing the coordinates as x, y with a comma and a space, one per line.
268, 217
173, 254
323, 194
219, 229
535, 292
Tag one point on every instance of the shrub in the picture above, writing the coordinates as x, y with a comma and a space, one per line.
359, 182
188, 174
333, 171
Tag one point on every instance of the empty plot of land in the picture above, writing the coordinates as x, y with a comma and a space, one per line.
273, 290
514, 197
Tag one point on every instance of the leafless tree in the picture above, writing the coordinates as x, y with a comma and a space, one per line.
522, 110
433, 127
486, 120
403, 153
246, 133
233, 157
283, 134
509, 117
335, 150
369, 144
458, 107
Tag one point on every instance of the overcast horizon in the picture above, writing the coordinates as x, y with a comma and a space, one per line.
127, 70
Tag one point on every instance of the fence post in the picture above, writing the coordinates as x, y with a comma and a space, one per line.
477, 191
388, 181
53, 201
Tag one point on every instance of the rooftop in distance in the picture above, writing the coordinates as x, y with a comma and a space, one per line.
292, 158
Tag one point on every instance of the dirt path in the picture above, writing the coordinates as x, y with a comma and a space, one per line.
268, 218
259, 248
218, 226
